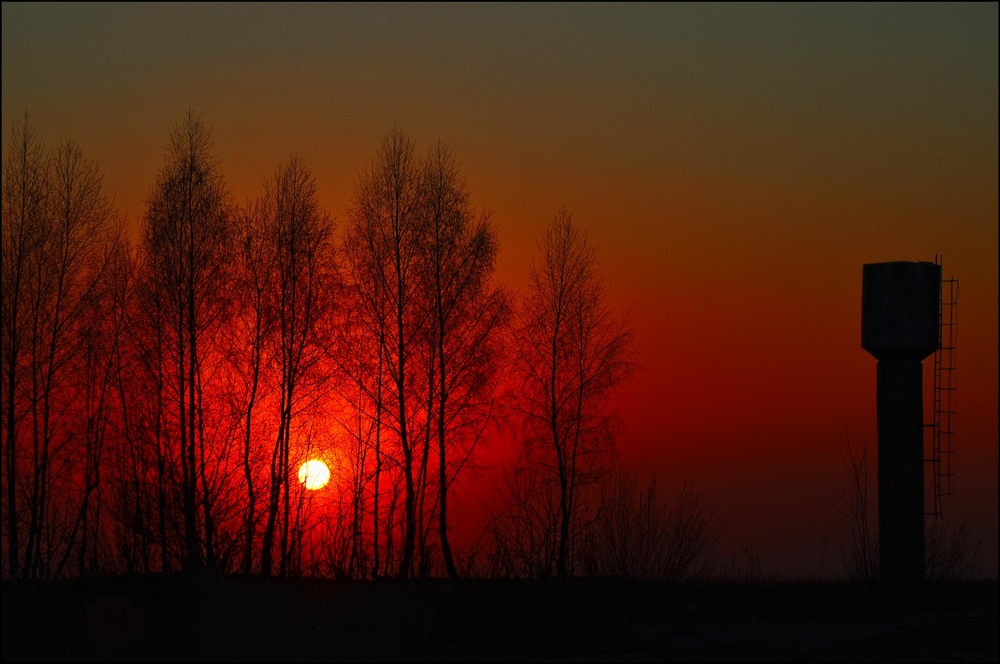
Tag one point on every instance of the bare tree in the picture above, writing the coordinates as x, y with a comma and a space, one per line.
300, 236
100, 336
25, 188
466, 317
383, 251
523, 525
187, 237
80, 214
148, 485
862, 556
359, 356
572, 354
55, 217
640, 534
255, 276
952, 551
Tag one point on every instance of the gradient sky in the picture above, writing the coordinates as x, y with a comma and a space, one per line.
735, 165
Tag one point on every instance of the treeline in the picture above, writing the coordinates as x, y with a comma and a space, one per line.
160, 395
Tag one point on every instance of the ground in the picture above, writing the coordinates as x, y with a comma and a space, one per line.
212, 618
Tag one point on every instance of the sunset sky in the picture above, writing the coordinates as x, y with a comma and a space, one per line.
735, 165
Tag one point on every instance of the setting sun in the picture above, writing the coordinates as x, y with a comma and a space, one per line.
314, 474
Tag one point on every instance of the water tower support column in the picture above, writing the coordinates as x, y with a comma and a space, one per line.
900, 471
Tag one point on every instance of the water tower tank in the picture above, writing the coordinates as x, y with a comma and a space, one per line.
899, 309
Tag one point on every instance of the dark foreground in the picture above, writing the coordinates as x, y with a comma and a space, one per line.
252, 619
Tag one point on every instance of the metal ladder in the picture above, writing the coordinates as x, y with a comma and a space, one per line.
945, 388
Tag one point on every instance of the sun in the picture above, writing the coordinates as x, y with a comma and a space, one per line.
314, 474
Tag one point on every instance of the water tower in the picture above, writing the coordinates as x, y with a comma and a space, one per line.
900, 326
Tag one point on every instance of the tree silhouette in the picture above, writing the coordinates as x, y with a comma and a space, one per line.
254, 325
55, 219
466, 315
299, 234
572, 354
359, 357
25, 180
100, 336
187, 238
80, 214
382, 249
640, 534
862, 556
157, 398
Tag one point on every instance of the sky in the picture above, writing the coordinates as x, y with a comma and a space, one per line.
734, 164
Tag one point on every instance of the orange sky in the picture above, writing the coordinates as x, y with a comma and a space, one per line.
735, 166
